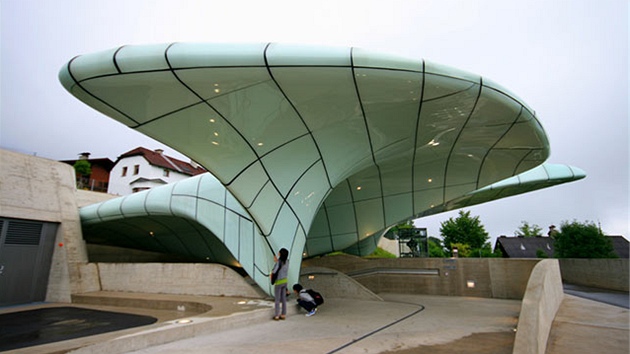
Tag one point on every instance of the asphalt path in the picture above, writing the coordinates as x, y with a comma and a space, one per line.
610, 297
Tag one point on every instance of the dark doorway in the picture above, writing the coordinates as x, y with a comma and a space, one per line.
26, 248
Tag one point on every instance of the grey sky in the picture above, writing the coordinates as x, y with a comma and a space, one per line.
566, 59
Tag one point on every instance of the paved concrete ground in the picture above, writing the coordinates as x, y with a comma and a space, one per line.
586, 326
347, 326
400, 324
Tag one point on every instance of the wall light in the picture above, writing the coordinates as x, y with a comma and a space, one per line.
311, 277
470, 284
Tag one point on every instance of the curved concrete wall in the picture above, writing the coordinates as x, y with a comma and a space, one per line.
542, 299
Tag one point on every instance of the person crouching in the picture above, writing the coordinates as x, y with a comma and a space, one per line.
305, 300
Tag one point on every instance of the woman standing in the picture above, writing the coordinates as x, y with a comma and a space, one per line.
280, 288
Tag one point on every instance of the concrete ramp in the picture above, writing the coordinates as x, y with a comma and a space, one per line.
332, 283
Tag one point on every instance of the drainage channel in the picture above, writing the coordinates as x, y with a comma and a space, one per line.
354, 341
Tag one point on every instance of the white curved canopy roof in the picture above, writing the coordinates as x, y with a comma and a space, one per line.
313, 149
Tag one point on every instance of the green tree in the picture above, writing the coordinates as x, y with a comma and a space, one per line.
582, 240
404, 225
540, 253
463, 250
464, 230
527, 230
436, 248
83, 168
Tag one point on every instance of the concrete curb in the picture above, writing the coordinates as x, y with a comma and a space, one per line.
171, 331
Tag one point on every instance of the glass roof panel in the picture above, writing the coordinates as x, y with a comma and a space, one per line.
339, 195
92, 65
558, 171
158, 200
367, 58
300, 154
342, 219
249, 183
307, 55
188, 186
427, 199
429, 174
500, 164
133, 204
455, 191
444, 70
494, 108
211, 189
536, 174
183, 205
247, 237
391, 102
397, 207
319, 226
370, 216
366, 184
308, 194
80, 93
396, 176
284, 226
343, 241
330, 108
213, 217
262, 115
211, 83
493, 85
142, 96
111, 209
316, 246
142, 58
192, 55
206, 138
266, 208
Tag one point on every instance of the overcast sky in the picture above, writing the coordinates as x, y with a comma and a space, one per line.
567, 59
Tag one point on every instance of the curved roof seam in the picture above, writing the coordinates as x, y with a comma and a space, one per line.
456, 140
297, 112
483, 161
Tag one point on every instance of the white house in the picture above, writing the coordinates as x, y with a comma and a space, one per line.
141, 169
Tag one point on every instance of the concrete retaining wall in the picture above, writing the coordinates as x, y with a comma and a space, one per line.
492, 277
598, 273
542, 299
38, 189
173, 278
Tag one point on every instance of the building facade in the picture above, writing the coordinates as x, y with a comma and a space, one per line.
142, 169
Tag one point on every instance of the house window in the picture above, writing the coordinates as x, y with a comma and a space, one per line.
166, 173
136, 169
124, 172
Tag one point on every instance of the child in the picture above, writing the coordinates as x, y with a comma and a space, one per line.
305, 300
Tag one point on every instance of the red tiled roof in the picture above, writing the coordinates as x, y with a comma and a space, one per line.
159, 159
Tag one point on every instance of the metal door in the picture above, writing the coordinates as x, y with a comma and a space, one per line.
25, 253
